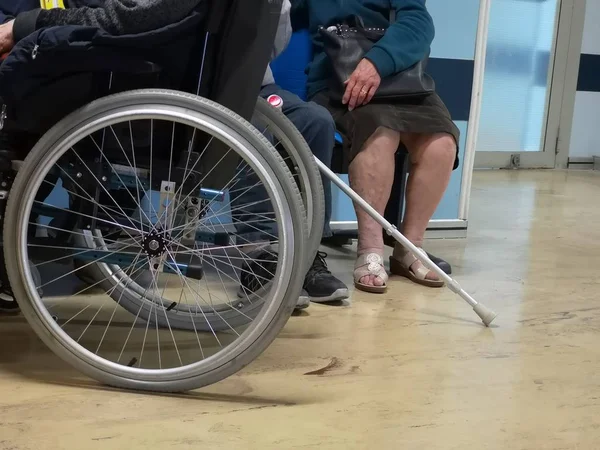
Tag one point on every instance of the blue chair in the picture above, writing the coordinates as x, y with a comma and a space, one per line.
289, 71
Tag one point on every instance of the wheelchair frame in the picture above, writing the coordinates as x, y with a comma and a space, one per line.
176, 192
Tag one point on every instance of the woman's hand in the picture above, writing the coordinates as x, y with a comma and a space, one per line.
7, 41
362, 85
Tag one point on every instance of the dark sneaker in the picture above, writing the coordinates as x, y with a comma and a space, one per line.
321, 286
445, 266
257, 273
8, 305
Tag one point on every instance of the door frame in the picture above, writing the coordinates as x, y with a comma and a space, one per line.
561, 78
571, 76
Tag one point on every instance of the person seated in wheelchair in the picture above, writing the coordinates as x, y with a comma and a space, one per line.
166, 336
119, 17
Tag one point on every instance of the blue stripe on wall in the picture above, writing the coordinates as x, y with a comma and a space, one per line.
453, 77
589, 73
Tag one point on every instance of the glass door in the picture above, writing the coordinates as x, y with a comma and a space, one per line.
516, 125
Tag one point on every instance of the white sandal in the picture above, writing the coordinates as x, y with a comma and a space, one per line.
370, 264
402, 267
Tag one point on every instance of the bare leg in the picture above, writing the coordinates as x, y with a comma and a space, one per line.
432, 158
371, 176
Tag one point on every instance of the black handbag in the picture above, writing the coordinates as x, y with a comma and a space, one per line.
346, 45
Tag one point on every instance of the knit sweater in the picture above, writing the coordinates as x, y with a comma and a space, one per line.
406, 41
117, 17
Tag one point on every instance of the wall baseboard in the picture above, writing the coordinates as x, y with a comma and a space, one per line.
581, 163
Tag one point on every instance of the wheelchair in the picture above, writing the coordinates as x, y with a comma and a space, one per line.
146, 163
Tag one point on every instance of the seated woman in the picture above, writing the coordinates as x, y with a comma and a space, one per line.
373, 131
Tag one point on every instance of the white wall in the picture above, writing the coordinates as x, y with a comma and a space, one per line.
591, 29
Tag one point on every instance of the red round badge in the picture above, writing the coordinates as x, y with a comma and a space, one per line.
275, 101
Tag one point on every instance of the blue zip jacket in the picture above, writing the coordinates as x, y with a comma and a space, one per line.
34, 74
152, 42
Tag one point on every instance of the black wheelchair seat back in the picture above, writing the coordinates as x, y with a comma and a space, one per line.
220, 51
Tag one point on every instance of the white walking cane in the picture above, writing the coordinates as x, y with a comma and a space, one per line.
487, 315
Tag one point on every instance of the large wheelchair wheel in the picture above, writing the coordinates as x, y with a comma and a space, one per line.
298, 157
194, 270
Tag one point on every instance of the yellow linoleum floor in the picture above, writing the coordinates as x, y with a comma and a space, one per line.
411, 369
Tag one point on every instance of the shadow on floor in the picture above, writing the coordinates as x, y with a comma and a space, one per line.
24, 355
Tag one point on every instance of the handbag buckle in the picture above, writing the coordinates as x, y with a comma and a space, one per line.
337, 29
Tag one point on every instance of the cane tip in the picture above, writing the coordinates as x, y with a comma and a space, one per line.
486, 315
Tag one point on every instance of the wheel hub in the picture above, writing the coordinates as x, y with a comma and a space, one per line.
154, 244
